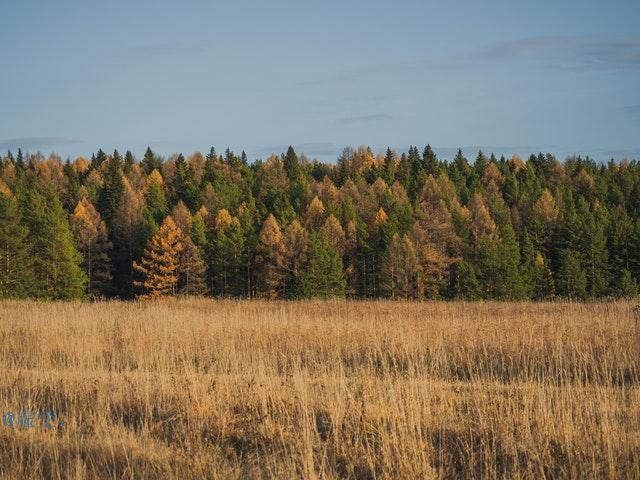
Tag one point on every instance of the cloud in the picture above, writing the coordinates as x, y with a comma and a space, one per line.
566, 52
363, 119
35, 143
313, 149
157, 50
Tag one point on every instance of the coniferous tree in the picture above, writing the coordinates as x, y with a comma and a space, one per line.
184, 185
56, 261
16, 262
593, 247
129, 234
291, 164
226, 256
93, 243
20, 165
192, 270
129, 161
315, 214
156, 202
625, 285
388, 167
159, 266
401, 269
324, 275
571, 278
98, 159
73, 186
296, 243
150, 162
429, 162
112, 189
270, 259
463, 283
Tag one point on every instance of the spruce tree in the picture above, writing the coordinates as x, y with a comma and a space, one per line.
129, 161
150, 162
112, 189
571, 279
388, 167
226, 252
463, 282
324, 275
291, 164
429, 161
56, 261
16, 262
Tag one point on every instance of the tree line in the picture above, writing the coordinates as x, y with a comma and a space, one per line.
402, 226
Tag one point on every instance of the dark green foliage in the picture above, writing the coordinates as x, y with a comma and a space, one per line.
151, 162
56, 261
98, 159
70, 200
388, 168
129, 161
571, 279
463, 283
226, 261
324, 276
291, 164
543, 229
156, 203
184, 185
111, 192
16, 261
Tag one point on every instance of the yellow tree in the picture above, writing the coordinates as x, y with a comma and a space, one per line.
296, 243
159, 265
191, 266
93, 242
315, 214
270, 258
401, 268
482, 225
335, 233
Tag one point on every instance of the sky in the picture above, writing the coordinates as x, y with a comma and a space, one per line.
506, 77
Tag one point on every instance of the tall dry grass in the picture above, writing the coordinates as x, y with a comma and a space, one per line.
232, 389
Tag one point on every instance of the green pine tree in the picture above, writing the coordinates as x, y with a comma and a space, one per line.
324, 276
16, 263
56, 261
112, 189
571, 278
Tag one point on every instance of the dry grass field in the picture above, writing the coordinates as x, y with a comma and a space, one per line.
230, 389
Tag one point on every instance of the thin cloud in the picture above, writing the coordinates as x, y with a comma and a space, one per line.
363, 119
34, 143
311, 148
566, 52
157, 50
635, 109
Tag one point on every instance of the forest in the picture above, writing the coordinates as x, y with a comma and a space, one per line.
400, 225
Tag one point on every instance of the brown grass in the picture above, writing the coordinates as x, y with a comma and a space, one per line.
364, 390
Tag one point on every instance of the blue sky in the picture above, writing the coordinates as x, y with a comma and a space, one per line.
507, 76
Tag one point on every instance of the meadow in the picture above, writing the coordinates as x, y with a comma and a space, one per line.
198, 388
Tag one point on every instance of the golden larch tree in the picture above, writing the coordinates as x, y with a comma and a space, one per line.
482, 225
270, 258
296, 243
335, 233
93, 242
159, 265
191, 266
315, 214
